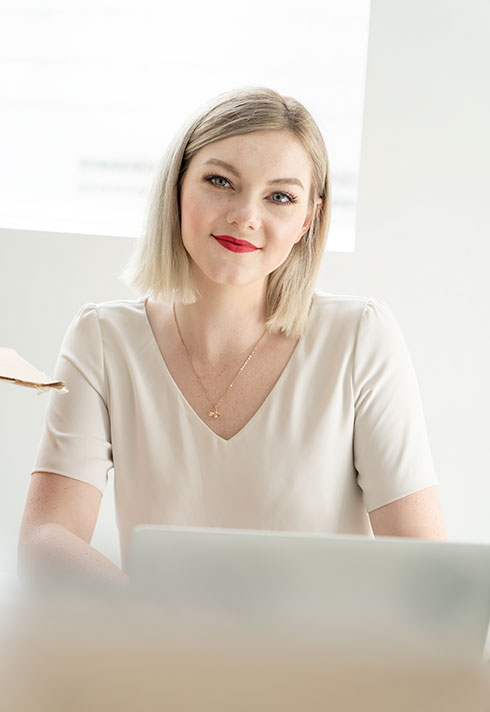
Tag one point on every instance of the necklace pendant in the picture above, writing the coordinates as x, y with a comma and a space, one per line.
214, 413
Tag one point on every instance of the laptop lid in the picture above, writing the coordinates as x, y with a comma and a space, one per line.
386, 596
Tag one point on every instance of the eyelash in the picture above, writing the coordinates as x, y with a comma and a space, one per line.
291, 198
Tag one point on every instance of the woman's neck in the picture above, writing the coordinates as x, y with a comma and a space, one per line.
225, 322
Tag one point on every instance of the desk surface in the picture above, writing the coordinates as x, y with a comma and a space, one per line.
94, 657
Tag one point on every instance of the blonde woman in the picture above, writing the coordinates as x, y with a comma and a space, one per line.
232, 393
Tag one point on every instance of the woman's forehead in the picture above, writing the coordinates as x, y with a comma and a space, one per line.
265, 150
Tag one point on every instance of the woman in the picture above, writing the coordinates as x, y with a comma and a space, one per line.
232, 394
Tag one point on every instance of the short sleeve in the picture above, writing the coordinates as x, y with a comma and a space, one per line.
76, 438
391, 448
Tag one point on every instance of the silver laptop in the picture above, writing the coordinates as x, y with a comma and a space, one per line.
351, 594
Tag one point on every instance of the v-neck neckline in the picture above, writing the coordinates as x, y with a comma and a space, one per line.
282, 377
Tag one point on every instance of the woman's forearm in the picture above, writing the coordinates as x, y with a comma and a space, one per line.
51, 555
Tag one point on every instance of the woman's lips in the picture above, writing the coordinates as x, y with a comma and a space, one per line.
231, 243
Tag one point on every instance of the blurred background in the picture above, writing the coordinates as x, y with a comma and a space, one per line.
92, 92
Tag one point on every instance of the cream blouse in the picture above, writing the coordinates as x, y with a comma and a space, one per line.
341, 433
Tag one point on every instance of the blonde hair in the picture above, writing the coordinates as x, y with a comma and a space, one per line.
160, 263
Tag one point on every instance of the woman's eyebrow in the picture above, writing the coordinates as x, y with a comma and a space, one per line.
235, 172
223, 164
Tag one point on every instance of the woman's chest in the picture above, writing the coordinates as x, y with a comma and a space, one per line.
227, 397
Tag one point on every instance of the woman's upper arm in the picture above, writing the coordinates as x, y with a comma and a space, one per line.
56, 499
391, 447
76, 440
416, 515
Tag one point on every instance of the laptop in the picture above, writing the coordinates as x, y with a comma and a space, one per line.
352, 595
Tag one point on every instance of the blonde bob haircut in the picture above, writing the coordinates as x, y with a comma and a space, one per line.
160, 264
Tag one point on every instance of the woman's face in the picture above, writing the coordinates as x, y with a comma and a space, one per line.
253, 187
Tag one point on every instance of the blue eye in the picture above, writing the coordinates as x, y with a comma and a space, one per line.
221, 182
214, 180
281, 195
289, 199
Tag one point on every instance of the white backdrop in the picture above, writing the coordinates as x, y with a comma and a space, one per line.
422, 245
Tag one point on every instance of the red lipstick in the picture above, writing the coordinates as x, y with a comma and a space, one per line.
231, 243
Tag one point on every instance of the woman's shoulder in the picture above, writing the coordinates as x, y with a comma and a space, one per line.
349, 310
333, 303
114, 310
116, 319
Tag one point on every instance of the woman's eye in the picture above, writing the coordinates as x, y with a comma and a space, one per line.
278, 197
284, 198
218, 180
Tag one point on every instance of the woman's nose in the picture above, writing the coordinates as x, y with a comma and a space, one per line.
243, 212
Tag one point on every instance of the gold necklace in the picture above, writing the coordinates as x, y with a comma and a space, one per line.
215, 413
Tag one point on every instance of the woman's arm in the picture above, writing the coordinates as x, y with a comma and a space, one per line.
55, 535
417, 515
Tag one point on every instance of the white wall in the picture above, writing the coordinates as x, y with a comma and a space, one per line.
423, 245
424, 225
